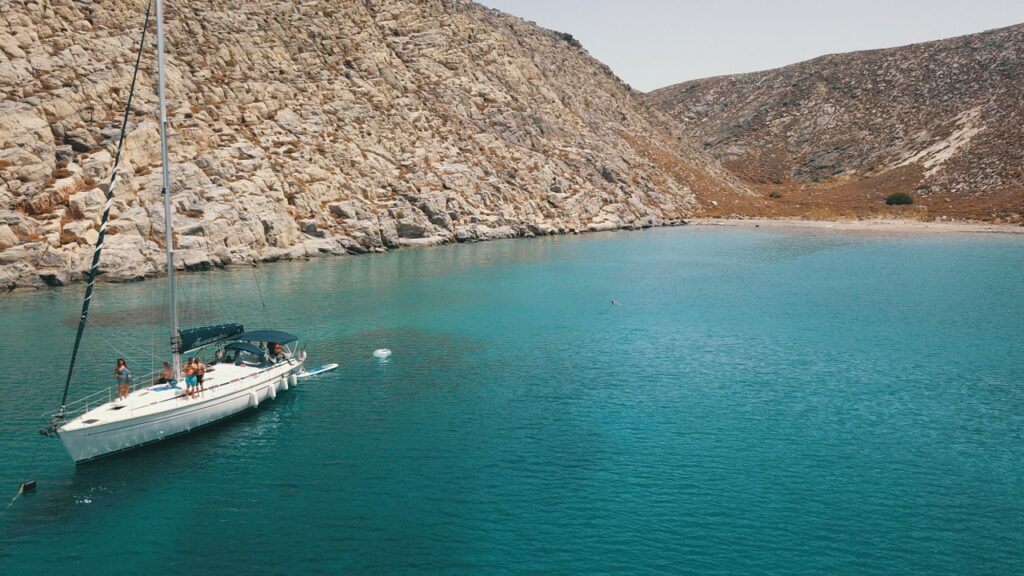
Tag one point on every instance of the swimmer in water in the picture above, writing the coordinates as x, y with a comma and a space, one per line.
614, 302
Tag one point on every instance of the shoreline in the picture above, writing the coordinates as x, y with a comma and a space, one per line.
880, 225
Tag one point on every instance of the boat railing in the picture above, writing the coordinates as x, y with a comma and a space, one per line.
78, 407
75, 409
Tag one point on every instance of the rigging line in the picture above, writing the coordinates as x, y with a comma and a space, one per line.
152, 316
266, 318
188, 284
217, 309
106, 215
153, 324
105, 334
215, 296
224, 314
128, 357
104, 331
136, 351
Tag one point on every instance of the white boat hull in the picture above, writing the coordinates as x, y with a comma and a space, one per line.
86, 441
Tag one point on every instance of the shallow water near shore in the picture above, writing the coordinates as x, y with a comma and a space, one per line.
757, 401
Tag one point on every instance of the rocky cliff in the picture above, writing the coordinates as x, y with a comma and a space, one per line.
941, 121
321, 127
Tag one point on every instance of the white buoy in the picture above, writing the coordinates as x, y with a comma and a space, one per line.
382, 353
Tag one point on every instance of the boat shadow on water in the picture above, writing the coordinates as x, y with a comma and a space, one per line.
239, 441
247, 429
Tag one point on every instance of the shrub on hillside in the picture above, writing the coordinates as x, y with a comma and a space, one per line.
899, 199
569, 39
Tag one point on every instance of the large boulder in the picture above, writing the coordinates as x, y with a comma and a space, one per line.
88, 204
193, 260
127, 257
435, 207
23, 125
348, 210
19, 275
54, 267
388, 233
7, 237
27, 253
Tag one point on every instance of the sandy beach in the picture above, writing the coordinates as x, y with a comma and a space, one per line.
873, 225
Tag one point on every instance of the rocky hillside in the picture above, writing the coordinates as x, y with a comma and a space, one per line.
320, 127
941, 121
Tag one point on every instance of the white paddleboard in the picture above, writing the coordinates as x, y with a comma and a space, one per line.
313, 371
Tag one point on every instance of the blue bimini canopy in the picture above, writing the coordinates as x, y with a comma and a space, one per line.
268, 336
194, 338
250, 348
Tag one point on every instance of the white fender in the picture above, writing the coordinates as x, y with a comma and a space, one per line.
254, 400
290, 381
272, 391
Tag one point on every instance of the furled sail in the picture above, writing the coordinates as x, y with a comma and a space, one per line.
193, 338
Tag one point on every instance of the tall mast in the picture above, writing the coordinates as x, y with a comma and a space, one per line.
168, 216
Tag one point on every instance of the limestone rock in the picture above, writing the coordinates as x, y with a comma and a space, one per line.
308, 131
126, 258
7, 237
88, 204
193, 260
19, 275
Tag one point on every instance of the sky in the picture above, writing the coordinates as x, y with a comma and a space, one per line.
655, 43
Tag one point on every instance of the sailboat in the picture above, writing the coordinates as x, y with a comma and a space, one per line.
246, 368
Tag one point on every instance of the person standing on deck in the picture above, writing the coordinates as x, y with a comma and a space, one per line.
124, 378
200, 369
190, 380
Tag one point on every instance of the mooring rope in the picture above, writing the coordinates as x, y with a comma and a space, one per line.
21, 485
21, 490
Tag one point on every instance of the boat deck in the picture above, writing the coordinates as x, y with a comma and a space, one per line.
220, 380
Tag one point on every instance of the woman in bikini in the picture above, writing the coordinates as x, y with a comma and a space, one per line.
124, 379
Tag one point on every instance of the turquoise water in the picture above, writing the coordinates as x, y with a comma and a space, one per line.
757, 403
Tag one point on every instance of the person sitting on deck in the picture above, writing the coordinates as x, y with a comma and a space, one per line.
166, 374
276, 353
124, 379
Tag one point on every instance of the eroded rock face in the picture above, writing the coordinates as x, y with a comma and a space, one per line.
300, 129
951, 109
